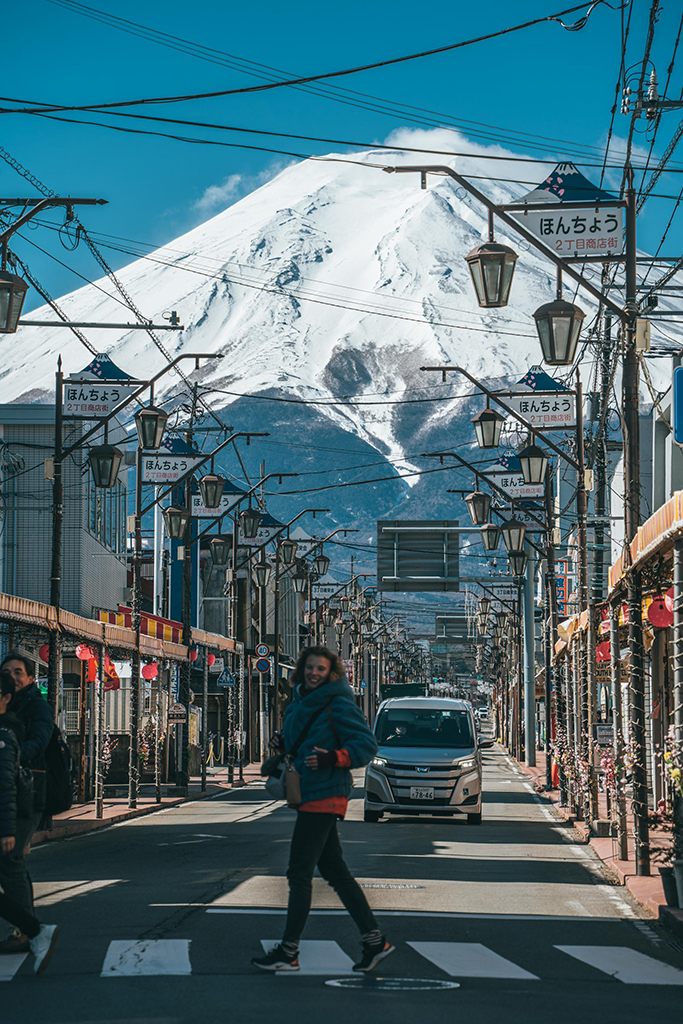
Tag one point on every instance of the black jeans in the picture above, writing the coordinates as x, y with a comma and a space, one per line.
316, 841
15, 880
20, 918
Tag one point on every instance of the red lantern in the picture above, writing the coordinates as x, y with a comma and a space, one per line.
669, 599
150, 671
83, 652
658, 613
603, 651
193, 654
44, 652
211, 659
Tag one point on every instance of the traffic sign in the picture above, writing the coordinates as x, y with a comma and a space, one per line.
262, 650
226, 678
262, 665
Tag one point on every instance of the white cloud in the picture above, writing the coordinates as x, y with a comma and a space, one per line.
235, 187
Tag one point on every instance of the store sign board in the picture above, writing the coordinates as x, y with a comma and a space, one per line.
88, 401
165, 468
551, 410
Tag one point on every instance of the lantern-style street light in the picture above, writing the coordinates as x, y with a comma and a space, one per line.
250, 520
12, 294
288, 550
211, 488
321, 564
329, 617
490, 536
534, 463
221, 547
488, 425
299, 582
492, 266
262, 571
105, 461
176, 521
518, 562
559, 324
150, 423
484, 605
513, 535
478, 505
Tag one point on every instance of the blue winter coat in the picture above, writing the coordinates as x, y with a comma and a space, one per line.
352, 734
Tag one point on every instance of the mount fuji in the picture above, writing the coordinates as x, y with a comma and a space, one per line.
331, 284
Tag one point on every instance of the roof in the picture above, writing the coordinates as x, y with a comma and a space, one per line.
427, 702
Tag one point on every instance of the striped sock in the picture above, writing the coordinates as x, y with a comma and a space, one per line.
372, 938
290, 948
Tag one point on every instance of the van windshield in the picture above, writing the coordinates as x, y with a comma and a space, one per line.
424, 727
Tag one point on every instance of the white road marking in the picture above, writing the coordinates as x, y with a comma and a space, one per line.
317, 957
470, 960
150, 956
626, 965
434, 915
10, 964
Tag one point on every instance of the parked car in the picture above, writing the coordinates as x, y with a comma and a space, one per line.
428, 761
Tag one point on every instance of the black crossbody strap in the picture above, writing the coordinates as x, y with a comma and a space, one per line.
304, 732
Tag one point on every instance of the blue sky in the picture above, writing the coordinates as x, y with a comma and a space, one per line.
543, 81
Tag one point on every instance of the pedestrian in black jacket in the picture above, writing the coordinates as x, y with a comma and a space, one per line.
33, 711
41, 938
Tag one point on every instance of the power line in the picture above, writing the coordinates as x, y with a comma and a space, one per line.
346, 71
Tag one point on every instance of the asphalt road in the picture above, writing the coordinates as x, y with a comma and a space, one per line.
159, 919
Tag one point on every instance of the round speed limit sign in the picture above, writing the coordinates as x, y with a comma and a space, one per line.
262, 650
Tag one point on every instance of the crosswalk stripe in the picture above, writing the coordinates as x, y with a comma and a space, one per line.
626, 964
469, 960
10, 964
317, 956
126, 958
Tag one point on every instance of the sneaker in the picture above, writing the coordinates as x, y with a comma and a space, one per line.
16, 942
277, 960
42, 946
373, 954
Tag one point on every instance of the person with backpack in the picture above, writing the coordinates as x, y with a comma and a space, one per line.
324, 735
33, 712
16, 804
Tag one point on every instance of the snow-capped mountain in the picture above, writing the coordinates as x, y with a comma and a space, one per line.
334, 282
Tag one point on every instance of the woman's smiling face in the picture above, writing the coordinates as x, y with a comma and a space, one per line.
316, 671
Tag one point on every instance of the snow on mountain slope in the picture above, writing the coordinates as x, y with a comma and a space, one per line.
333, 280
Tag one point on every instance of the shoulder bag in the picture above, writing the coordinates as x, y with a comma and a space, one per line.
284, 781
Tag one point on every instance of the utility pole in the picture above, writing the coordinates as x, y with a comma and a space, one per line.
186, 666
54, 656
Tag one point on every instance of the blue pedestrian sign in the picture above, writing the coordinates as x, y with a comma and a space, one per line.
226, 678
678, 405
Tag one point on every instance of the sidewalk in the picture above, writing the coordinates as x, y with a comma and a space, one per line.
81, 817
648, 890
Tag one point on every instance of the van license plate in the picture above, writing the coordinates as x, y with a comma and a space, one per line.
421, 793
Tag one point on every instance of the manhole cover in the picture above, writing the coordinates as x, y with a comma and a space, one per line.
392, 984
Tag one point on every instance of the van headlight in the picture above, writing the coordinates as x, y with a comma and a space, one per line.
467, 764
379, 762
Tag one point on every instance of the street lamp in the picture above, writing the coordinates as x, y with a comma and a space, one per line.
534, 463
484, 605
262, 572
150, 423
478, 505
221, 547
345, 602
105, 461
490, 536
329, 618
518, 562
288, 550
491, 267
321, 564
250, 520
176, 521
12, 294
513, 535
488, 425
211, 488
299, 582
559, 324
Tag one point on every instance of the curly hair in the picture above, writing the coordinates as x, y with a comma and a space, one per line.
336, 667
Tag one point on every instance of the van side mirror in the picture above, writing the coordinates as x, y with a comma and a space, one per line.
484, 744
